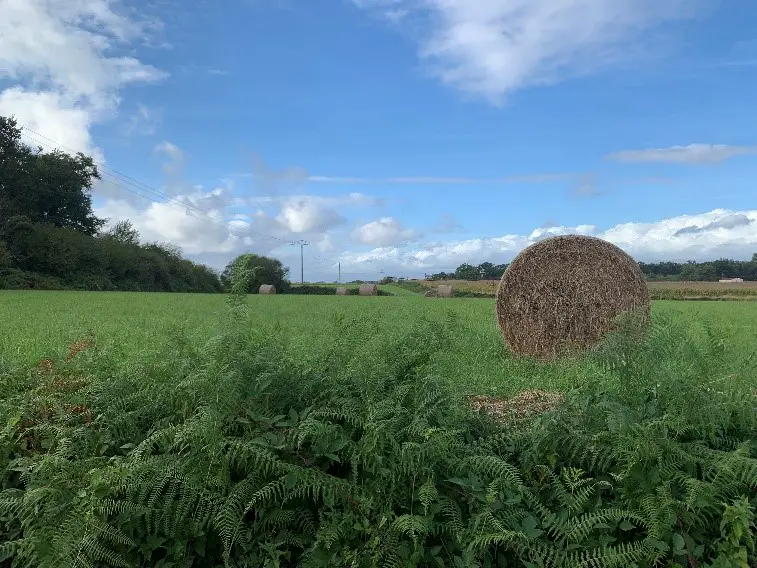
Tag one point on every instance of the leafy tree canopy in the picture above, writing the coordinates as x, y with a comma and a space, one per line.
52, 187
51, 239
123, 232
259, 269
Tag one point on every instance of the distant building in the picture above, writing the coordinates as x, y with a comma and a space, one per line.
730, 280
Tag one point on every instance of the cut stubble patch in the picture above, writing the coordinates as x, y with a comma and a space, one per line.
524, 405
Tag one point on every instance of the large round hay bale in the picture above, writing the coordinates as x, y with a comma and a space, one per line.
561, 295
444, 291
341, 291
368, 290
431, 294
266, 289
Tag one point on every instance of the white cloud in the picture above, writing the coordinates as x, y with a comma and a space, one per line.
691, 154
306, 215
384, 232
216, 226
52, 116
706, 236
494, 47
326, 243
193, 227
67, 61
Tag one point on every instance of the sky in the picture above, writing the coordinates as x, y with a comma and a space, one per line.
399, 137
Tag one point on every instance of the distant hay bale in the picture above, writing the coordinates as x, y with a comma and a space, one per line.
341, 291
368, 290
267, 289
444, 291
431, 294
562, 294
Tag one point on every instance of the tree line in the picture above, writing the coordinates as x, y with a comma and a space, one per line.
709, 271
50, 237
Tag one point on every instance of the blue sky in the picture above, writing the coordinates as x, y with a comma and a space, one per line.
403, 136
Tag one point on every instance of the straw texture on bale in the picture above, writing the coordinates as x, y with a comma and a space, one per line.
368, 290
561, 295
341, 291
444, 291
430, 294
266, 289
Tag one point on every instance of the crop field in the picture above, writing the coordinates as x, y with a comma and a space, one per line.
134, 327
658, 290
164, 430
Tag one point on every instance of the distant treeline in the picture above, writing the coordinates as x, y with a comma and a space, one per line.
51, 239
710, 271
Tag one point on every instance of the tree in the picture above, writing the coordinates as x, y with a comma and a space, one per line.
124, 233
489, 271
261, 270
5, 256
442, 276
467, 272
49, 187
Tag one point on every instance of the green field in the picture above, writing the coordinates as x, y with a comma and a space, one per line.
134, 327
167, 430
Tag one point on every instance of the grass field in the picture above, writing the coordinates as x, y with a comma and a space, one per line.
135, 327
165, 430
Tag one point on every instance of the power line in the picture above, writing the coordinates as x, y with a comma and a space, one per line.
123, 181
127, 183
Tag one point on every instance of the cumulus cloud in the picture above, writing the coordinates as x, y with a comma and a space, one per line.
214, 226
384, 232
727, 222
494, 47
691, 154
67, 61
193, 222
307, 215
718, 233
53, 116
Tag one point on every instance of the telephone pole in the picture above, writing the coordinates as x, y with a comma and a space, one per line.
302, 244
339, 278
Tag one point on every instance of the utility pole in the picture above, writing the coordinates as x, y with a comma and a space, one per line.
339, 278
302, 244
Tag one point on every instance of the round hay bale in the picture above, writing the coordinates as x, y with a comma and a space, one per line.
444, 291
430, 294
267, 289
341, 291
368, 290
561, 295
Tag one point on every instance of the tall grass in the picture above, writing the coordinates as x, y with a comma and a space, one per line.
242, 452
133, 327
